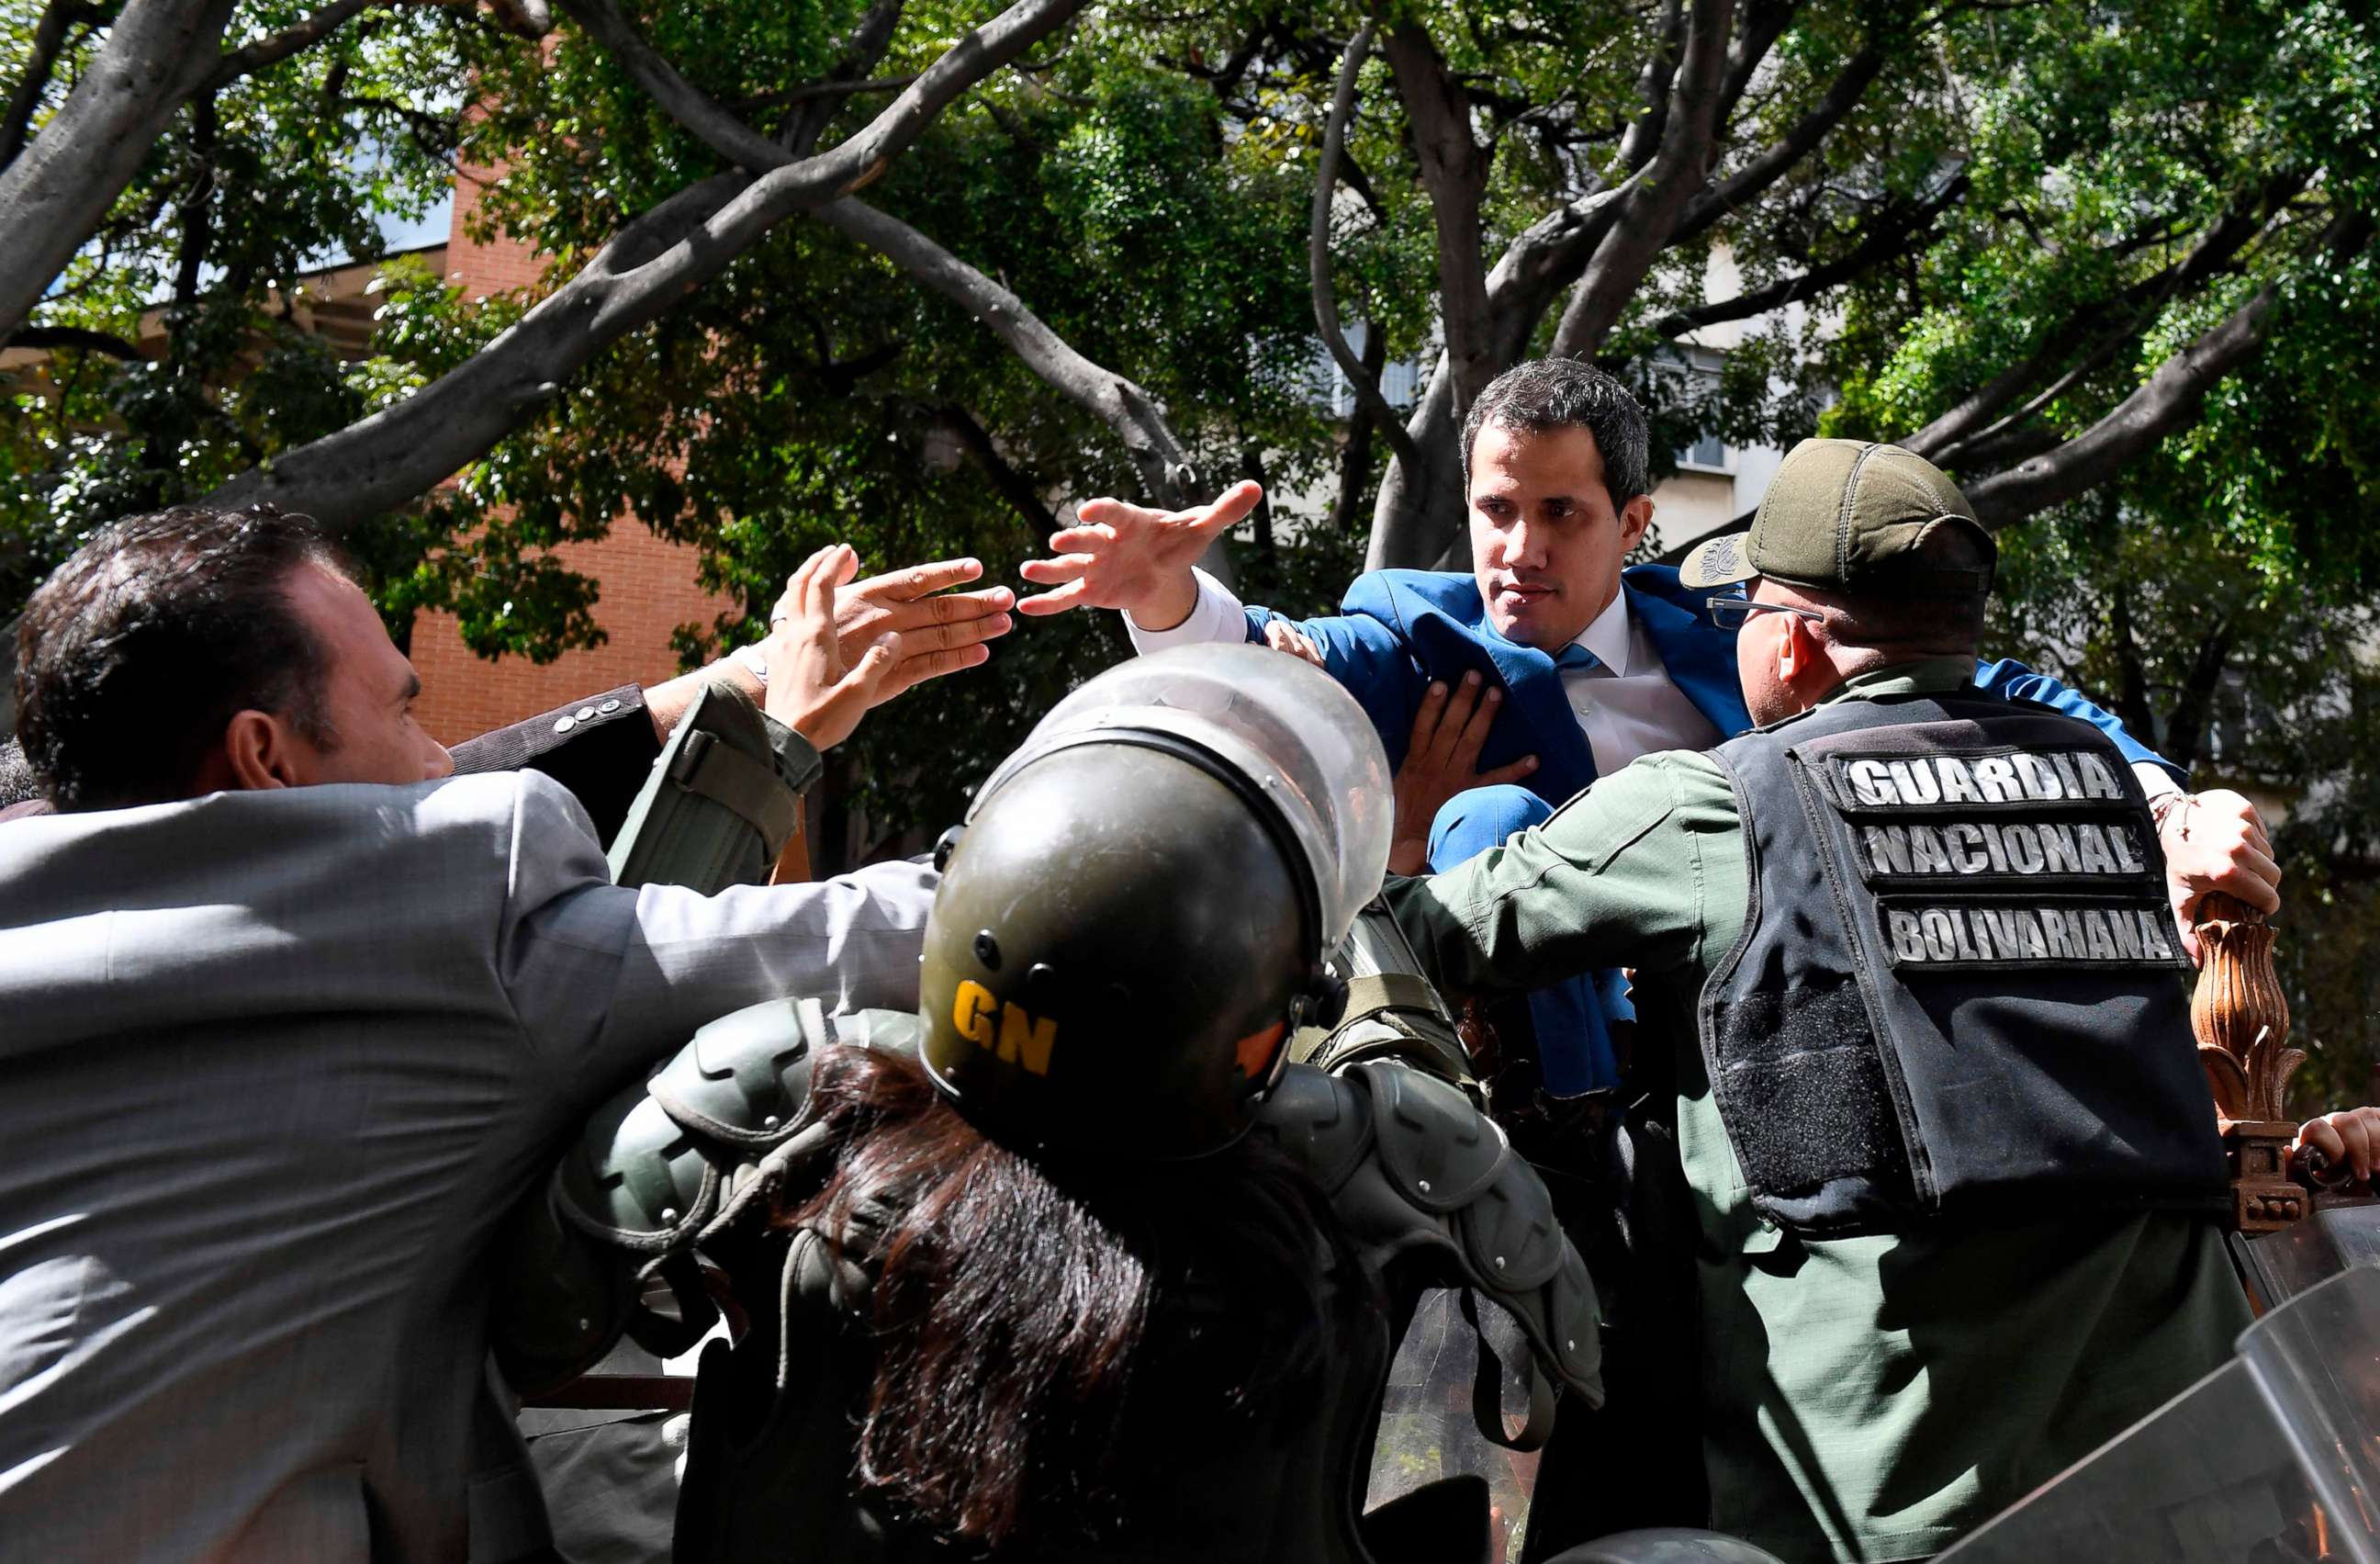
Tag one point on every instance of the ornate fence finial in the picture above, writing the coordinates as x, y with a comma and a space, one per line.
2242, 1022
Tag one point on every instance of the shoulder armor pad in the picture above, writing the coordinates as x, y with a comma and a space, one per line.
1319, 1121
720, 800
1443, 1182
559, 1300
636, 1178
1517, 1248
1440, 1150
745, 1079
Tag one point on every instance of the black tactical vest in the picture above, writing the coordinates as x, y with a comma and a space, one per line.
1957, 990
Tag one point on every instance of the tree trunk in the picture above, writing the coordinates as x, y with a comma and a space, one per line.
1419, 512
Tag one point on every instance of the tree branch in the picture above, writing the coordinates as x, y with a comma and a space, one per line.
810, 89
1454, 171
51, 339
2213, 252
1326, 302
1546, 255
1125, 407
2168, 397
1764, 22
1775, 160
710, 122
58, 192
1356, 458
2185, 730
275, 47
1883, 244
1676, 172
1116, 402
1005, 480
1653, 83
861, 53
49, 40
400, 452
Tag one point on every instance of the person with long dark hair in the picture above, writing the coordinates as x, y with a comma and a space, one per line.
1073, 1262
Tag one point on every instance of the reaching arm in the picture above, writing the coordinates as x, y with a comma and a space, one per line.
1616, 877
2212, 841
2014, 681
606, 980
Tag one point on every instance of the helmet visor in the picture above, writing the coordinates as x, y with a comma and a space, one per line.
1284, 725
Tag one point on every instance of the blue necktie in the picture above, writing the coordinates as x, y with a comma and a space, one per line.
1576, 656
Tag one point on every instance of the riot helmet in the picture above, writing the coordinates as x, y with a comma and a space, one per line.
1132, 920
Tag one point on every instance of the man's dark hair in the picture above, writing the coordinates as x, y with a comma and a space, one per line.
1555, 392
138, 650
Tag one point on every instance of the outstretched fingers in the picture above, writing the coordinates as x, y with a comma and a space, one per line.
918, 666
1056, 601
1049, 572
921, 581
1082, 540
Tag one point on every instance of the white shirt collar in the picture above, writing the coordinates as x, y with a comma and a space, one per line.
1608, 635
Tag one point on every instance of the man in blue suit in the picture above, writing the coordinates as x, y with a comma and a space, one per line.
1575, 665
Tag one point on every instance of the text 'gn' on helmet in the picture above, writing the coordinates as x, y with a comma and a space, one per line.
1141, 898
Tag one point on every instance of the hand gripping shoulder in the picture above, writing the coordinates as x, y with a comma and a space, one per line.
1415, 1171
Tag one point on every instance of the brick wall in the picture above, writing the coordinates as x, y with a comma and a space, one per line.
647, 585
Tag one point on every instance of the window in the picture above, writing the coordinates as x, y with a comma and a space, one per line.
1691, 390
1400, 381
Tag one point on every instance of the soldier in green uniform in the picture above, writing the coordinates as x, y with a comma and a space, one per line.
1955, 1183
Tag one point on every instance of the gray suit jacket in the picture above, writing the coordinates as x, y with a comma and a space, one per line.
276, 1066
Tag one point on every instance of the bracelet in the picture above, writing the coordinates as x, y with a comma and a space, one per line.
2167, 805
755, 659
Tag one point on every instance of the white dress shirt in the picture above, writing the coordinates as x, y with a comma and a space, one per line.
1627, 704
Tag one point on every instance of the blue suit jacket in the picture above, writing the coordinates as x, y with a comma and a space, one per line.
1400, 630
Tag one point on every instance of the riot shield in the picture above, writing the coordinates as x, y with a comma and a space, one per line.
2274, 1459
1427, 1432
2278, 1267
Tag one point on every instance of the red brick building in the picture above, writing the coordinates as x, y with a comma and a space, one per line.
648, 586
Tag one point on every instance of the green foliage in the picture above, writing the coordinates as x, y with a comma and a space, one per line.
272, 176
1143, 184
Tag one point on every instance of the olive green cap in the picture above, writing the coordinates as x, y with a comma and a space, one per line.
1848, 516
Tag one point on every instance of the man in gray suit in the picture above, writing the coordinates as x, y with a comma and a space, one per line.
292, 1018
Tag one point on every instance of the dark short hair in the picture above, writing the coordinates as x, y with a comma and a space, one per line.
138, 650
1557, 393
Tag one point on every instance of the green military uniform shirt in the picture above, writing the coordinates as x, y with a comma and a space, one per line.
1864, 1398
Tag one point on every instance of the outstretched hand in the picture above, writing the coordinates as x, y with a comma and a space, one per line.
1443, 760
942, 631
815, 687
1128, 557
